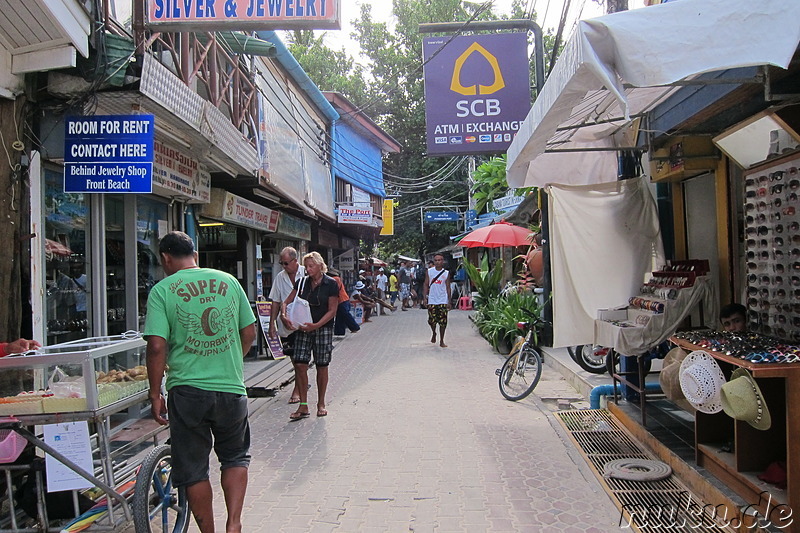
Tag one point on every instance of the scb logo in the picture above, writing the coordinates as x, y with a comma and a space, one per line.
478, 107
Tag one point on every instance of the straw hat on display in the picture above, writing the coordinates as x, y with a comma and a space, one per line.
668, 378
701, 380
742, 400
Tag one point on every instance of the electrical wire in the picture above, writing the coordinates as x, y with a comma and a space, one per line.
292, 110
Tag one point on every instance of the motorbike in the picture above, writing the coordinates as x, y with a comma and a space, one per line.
590, 358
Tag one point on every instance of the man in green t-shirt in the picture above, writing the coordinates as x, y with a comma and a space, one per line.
200, 323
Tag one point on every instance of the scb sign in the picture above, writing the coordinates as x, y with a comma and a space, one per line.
477, 92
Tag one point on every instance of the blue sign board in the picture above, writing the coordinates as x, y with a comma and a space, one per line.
470, 216
477, 92
442, 216
109, 154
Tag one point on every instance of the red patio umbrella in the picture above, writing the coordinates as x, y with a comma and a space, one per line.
499, 234
56, 248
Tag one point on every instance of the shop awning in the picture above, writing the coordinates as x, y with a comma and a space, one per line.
242, 43
618, 67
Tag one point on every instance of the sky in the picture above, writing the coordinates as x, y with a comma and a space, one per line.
548, 10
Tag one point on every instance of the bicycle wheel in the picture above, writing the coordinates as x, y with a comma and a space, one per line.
520, 373
157, 505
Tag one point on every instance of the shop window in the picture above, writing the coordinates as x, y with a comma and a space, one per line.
115, 265
222, 246
68, 293
151, 224
344, 192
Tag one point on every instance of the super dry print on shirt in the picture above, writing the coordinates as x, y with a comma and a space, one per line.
210, 331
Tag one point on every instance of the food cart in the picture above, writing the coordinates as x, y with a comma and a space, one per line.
66, 400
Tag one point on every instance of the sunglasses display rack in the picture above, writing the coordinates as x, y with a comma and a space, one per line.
772, 247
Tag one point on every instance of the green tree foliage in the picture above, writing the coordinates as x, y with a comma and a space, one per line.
489, 183
330, 70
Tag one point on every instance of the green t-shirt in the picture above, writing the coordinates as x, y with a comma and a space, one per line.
199, 311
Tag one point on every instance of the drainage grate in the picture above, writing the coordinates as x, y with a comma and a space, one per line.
649, 506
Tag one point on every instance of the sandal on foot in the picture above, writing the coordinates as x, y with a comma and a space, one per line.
294, 400
321, 411
297, 415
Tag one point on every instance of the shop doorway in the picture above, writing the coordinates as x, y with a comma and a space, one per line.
699, 197
223, 247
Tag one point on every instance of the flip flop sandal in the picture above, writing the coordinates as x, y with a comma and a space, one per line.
298, 415
294, 400
322, 412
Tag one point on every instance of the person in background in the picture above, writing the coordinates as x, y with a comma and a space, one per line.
18, 346
344, 318
392, 287
419, 281
322, 294
282, 286
359, 296
404, 277
437, 296
733, 318
381, 282
200, 326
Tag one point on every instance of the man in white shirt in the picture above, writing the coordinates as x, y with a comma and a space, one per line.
437, 296
282, 287
381, 282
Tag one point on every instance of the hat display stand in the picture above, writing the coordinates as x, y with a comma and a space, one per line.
736, 444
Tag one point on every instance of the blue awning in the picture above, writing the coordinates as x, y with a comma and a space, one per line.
357, 160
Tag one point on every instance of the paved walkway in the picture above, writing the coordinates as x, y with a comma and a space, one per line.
418, 439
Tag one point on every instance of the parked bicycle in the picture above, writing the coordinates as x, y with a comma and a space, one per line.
521, 372
591, 358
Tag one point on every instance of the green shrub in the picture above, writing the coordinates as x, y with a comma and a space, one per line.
486, 280
497, 318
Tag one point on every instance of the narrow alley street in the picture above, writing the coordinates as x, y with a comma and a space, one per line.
418, 439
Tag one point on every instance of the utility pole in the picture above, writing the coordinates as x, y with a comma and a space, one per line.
471, 182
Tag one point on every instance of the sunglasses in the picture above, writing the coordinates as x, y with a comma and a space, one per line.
286, 263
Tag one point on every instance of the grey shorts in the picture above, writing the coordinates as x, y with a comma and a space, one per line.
195, 416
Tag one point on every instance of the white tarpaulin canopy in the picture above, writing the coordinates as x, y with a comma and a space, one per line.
621, 65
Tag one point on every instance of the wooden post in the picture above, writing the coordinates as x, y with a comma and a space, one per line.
14, 207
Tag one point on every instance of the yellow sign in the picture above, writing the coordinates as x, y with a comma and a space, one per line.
388, 217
